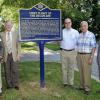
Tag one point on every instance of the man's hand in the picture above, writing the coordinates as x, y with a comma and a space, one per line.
1, 59
18, 58
90, 61
91, 56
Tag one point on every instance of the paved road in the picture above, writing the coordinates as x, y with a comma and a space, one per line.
53, 56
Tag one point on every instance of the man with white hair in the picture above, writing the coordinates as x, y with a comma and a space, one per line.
68, 54
11, 55
86, 46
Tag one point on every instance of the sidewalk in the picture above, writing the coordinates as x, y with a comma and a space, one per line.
54, 56
50, 56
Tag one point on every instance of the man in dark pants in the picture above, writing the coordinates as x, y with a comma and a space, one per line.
1, 60
11, 55
98, 61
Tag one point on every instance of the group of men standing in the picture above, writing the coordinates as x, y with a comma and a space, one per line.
74, 46
77, 47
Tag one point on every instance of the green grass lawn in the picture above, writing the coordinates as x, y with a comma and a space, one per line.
52, 46
28, 47
29, 74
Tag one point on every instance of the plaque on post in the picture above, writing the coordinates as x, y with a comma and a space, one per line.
40, 24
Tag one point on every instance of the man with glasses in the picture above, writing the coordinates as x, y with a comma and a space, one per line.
68, 55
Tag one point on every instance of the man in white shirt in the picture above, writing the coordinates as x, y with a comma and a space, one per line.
68, 54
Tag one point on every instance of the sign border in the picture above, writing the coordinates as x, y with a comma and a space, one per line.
36, 40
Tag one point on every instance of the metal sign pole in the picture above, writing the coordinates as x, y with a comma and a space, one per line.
40, 24
42, 80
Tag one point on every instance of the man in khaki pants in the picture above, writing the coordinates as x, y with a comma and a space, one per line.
86, 46
67, 46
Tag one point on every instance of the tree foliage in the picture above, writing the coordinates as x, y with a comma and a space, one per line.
78, 10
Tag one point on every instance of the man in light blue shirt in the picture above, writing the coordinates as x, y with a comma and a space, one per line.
68, 55
86, 46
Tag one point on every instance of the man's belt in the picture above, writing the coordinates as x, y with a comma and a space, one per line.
83, 53
67, 50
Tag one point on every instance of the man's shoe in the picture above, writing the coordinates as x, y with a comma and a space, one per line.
65, 85
98, 91
9, 87
81, 89
72, 86
87, 92
0, 92
16, 87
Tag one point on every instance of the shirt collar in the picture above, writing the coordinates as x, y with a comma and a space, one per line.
68, 29
8, 32
85, 34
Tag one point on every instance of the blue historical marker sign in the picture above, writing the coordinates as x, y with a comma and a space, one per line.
40, 23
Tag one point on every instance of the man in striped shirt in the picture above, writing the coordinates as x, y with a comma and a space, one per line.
86, 46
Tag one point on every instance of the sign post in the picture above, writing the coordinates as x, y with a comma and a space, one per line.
40, 24
41, 47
